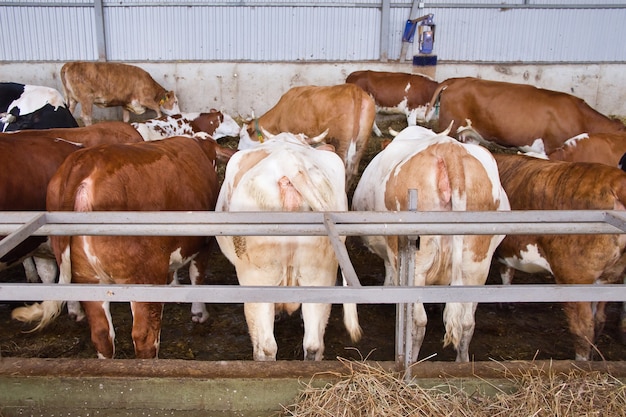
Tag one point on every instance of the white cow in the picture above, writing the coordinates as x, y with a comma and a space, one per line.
448, 176
285, 174
217, 124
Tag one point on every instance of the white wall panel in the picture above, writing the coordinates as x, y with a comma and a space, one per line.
330, 30
46, 33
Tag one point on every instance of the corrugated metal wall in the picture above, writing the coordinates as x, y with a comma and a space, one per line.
328, 30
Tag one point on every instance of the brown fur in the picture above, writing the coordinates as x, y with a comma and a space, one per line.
516, 114
108, 84
346, 110
536, 184
602, 148
171, 174
389, 88
33, 156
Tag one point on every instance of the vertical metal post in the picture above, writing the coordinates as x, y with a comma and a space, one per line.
417, 5
385, 14
407, 245
100, 34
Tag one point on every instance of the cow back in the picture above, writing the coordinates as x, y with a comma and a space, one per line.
517, 115
390, 89
602, 148
88, 136
345, 110
538, 184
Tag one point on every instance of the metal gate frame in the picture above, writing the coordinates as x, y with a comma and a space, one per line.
17, 226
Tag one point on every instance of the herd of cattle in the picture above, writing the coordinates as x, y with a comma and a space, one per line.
303, 155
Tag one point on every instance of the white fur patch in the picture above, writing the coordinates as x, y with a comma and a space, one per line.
530, 261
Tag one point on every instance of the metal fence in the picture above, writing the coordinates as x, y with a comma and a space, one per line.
19, 225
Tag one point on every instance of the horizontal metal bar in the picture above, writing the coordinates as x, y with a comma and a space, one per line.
354, 5
312, 223
22, 233
333, 295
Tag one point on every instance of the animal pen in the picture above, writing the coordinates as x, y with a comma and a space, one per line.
35, 384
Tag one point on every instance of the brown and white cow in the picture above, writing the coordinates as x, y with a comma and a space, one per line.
29, 159
538, 184
394, 92
345, 110
602, 148
285, 174
448, 176
109, 84
517, 115
215, 123
175, 174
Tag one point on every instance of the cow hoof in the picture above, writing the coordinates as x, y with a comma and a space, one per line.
199, 313
75, 311
310, 356
199, 318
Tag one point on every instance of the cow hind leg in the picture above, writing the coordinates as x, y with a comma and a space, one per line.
146, 329
459, 321
260, 320
420, 319
199, 313
315, 318
580, 318
102, 331
86, 111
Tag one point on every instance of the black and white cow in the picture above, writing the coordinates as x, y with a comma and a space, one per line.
32, 107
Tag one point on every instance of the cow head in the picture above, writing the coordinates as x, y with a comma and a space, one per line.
169, 104
226, 125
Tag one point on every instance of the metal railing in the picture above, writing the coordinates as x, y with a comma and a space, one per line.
17, 226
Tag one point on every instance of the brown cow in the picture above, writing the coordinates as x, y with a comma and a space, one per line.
517, 115
537, 184
29, 159
108, 84
345, 110
408, 94
179, 174
603, 148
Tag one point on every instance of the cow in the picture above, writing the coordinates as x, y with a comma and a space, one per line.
32, 107
448, 176
179, 174
284, 173
24, 184
345, 110
108, 84
537, 184
517, 115
214, 123
394, 92
602, 148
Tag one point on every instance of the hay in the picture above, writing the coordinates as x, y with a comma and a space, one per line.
366, 390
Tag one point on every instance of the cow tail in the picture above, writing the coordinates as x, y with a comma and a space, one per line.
46, 311
351, 318
449, 178
317, 196
66, 92
364, 118
430, 107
